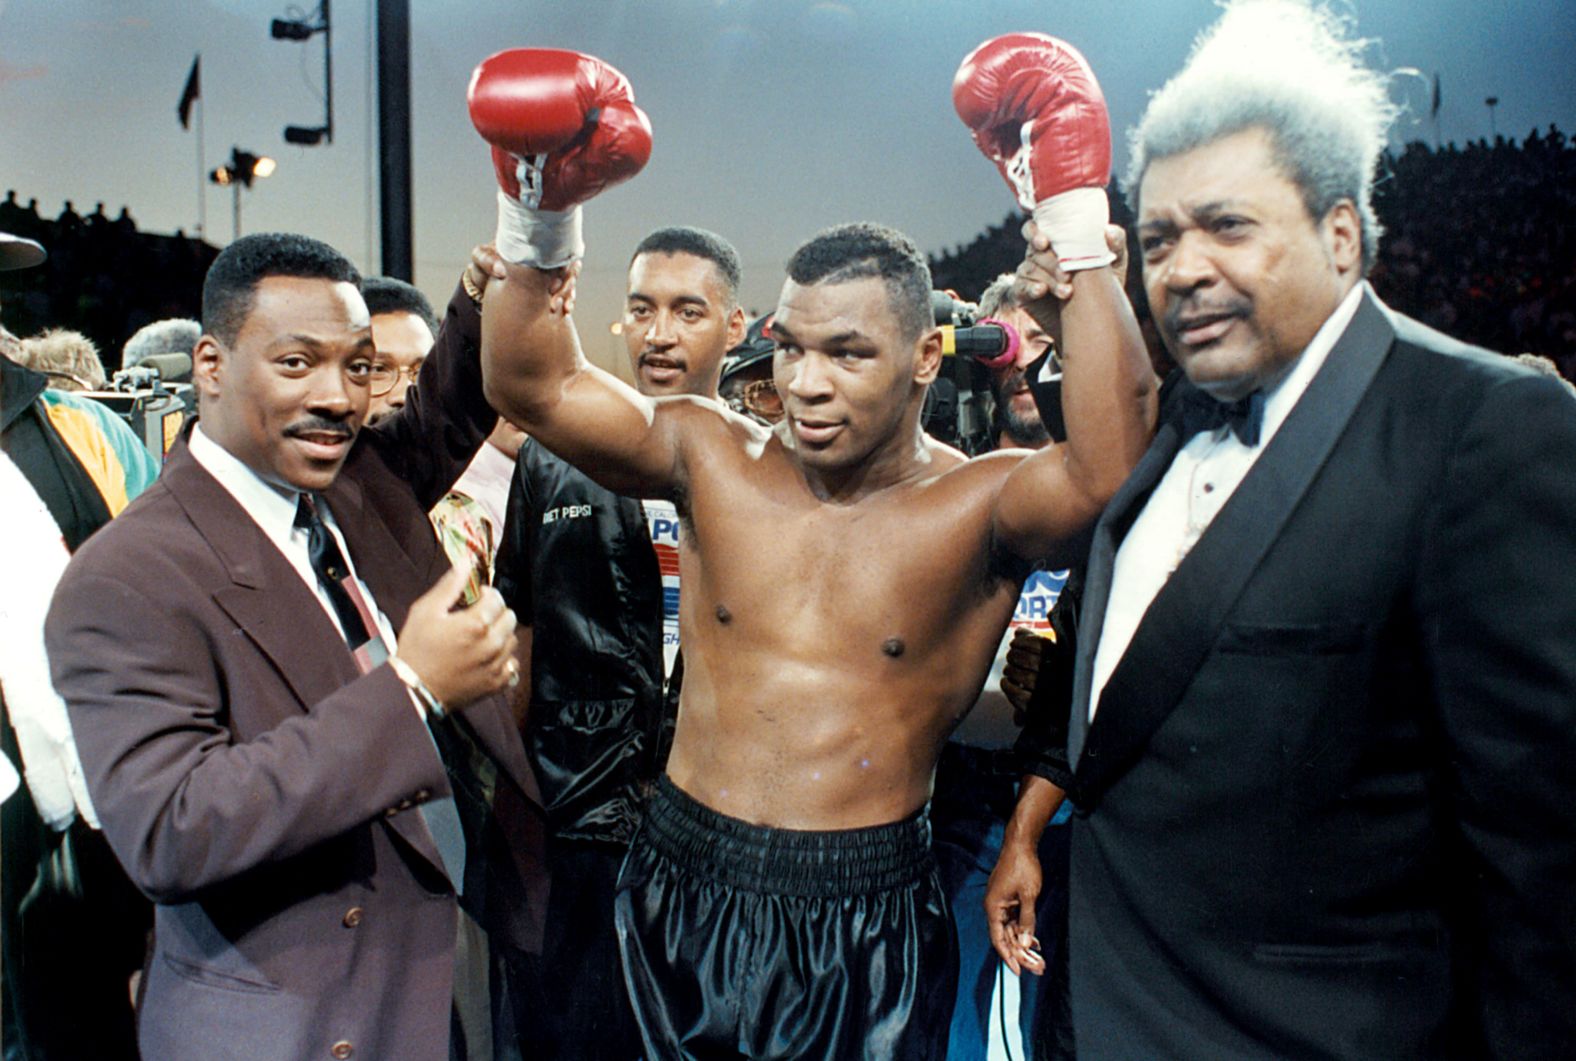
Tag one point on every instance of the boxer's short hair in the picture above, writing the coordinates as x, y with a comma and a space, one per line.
230, 287
853, 252
683, 239
1295, 71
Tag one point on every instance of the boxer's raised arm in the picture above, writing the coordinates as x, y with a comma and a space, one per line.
563, 128
536, 375
1035, 109
1108, 405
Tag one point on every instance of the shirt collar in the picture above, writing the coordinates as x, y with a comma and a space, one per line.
1282, 397
270, 508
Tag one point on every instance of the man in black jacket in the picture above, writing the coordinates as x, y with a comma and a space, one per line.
1324, 703
595, 578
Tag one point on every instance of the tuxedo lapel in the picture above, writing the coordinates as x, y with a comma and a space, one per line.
1186, 616
1118, 516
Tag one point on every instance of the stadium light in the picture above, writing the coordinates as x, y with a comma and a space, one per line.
290, 30
243, 168
239, 172
301, 30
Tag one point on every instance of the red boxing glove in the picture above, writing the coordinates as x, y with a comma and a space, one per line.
1035, 110
564, 127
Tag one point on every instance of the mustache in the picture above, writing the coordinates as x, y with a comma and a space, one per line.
661, 355
1236, 306
320, 425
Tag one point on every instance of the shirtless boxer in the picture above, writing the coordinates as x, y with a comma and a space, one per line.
847, 580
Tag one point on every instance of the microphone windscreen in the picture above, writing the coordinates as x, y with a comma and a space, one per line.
172, 368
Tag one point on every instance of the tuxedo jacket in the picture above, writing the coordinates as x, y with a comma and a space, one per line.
261, 789
1327, 807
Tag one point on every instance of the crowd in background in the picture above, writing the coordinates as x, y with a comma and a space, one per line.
103, 277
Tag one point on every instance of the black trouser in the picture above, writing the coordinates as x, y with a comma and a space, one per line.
739, 940
571, 1001
75, 929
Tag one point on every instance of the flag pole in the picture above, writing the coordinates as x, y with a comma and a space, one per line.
191, 95
202, 190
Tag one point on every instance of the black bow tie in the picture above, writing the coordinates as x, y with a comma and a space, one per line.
1245, 416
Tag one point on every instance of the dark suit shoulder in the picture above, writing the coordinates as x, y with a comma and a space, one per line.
1449, 382
429, 442
1452, 361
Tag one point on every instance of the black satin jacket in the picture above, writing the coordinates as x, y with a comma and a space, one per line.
577, 565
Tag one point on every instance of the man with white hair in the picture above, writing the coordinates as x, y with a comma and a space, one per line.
1325, 707
172, 335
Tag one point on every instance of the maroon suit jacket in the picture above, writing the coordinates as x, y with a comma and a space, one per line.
257, 786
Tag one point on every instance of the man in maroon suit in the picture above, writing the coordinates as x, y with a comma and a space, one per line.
323, 811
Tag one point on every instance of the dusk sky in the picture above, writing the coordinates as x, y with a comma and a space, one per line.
772, 118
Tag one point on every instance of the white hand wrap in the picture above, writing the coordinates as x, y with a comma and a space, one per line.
1075, 222
545, 239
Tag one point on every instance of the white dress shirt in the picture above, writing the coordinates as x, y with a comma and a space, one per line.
274, 512
1204, 474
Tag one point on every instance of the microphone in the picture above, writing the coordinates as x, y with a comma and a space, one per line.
991, 342
172, 368
152, 371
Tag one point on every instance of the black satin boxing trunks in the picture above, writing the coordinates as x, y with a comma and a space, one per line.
744, 941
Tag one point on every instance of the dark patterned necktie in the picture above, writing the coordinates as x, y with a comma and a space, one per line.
333, 574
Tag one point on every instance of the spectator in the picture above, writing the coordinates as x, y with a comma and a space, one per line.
403, 327
68, 358
73, 927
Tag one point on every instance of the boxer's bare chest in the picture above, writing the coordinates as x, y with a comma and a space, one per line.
890, 571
